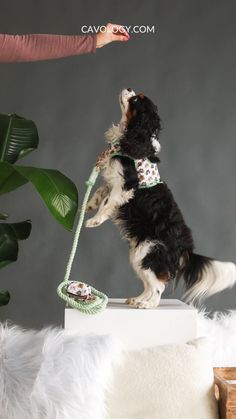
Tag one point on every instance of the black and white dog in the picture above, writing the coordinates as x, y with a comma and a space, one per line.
135, 198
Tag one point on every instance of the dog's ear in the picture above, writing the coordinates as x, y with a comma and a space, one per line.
144, 124
143, 115
147, 122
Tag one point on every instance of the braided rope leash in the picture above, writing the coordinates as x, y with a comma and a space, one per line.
100, 301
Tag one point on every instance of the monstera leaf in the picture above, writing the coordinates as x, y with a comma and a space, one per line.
57, 191
18, 137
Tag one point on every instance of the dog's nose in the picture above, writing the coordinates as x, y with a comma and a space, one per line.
129, 89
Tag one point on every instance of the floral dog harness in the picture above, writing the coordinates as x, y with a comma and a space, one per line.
147, 172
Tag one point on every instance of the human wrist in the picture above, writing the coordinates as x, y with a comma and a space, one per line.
99, 40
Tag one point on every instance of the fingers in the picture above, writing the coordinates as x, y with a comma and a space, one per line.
116, 37
113, 32
118, 31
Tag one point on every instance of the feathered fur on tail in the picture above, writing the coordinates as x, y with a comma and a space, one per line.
204, 277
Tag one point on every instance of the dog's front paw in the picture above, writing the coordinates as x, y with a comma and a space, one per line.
92, 205
92, 223
96, 221
88, 208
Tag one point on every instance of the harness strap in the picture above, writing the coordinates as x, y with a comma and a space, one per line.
147, 172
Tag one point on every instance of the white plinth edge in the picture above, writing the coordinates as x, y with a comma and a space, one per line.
172, 322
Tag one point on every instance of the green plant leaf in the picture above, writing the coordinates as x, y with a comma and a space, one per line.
10, 179
4, 297
18, 137
9, 236
58, 192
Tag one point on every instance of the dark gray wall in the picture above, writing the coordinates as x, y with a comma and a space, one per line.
188, 68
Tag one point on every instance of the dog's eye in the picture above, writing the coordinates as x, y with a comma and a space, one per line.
135, 99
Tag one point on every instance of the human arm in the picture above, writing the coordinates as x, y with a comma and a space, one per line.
37, 47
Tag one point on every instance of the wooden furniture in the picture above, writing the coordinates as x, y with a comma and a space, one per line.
225, 385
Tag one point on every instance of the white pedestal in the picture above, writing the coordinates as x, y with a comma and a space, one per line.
172, 322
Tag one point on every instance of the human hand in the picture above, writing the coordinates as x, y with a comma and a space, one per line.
113, 33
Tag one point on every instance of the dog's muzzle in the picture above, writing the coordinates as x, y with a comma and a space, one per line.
124, 97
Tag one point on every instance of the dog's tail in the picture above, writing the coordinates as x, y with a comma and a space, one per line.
204, 277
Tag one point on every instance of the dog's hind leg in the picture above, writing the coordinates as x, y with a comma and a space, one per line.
142, 297
153, 287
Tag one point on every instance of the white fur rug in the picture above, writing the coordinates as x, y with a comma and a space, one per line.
53, 375
221, 333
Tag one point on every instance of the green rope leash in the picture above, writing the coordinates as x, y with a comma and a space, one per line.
101, 300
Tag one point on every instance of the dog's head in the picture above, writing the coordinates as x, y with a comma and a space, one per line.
141, 123
139, 127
